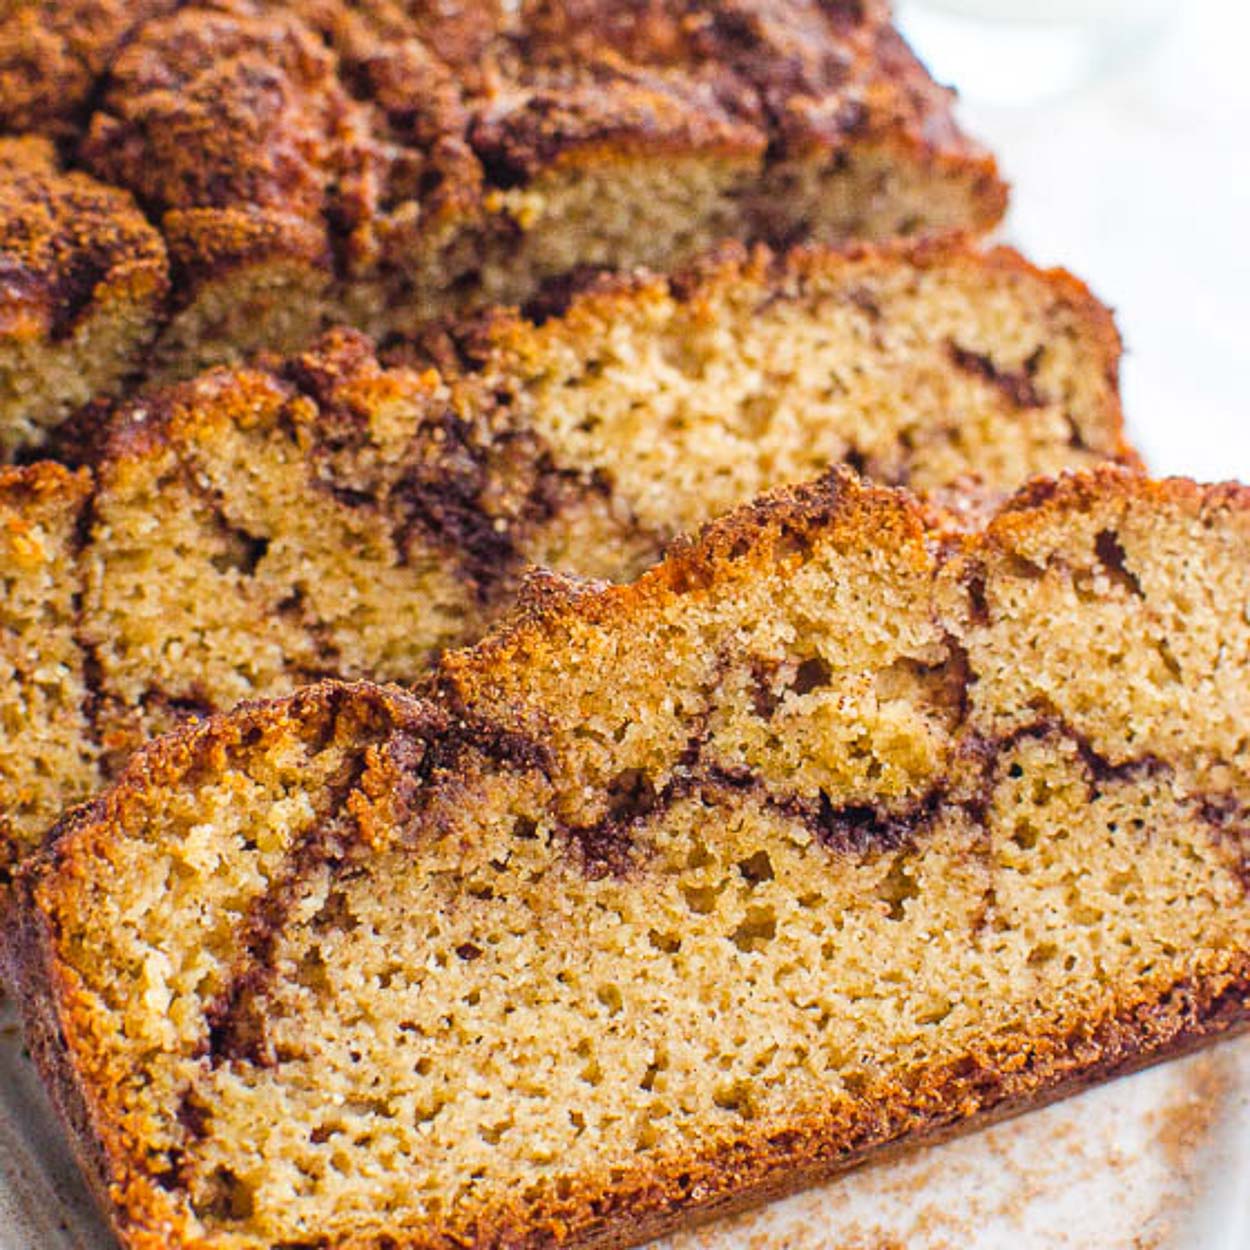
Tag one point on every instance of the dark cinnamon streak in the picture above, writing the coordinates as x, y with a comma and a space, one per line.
1016, 386
1229, 817
410, 765
235, 1023
473, 491
439, 490
850, 829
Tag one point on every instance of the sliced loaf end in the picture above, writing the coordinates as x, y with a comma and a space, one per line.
833, 833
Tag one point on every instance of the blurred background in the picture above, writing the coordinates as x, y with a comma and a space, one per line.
1124, 127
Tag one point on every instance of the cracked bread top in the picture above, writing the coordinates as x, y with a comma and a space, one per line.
202, 83
349, 116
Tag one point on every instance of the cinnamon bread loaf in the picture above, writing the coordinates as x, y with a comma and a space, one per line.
376, 162
835, 833
323, 515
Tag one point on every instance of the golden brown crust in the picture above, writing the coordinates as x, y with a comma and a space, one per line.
38, 483
205, 242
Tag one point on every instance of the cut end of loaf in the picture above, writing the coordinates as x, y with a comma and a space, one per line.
833, 832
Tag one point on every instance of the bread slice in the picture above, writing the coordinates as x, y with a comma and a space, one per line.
47, 748
376, 163
83, 278
324, 515
836, 832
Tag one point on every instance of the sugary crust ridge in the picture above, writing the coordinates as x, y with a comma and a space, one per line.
39, 482
730, 547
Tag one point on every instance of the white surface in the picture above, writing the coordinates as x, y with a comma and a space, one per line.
1141, 184
1042, 11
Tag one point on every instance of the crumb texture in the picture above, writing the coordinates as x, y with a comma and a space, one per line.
327, 514
378, 162
832, 832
